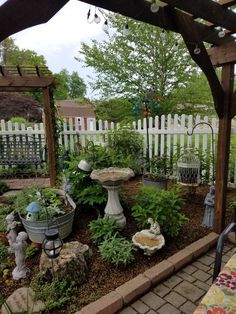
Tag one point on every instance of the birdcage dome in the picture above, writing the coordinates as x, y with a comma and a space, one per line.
188, 168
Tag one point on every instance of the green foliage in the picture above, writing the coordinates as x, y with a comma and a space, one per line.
127, 143
102, 229
3, 187
116, 110
69, 86
83, 189
147, 57
4, 211
3, 253
54, 294
194, 97
157, 168
30, 251
117, 250
13, 55
49, 202
161, 205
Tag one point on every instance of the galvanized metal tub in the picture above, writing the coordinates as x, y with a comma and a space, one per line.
36, 229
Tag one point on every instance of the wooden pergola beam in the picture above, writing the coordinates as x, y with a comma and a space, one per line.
223, 148
223, 54
208, 10
18, 15
227, 3
35, 12
26, 81
140, 10
191, 37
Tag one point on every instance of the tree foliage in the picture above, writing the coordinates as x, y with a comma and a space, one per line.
197, 92
116, 110
11, 54
128, 65
69, 86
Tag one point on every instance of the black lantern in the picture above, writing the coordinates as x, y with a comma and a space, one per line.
52, 244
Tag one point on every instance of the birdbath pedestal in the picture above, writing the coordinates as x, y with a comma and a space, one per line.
111, 179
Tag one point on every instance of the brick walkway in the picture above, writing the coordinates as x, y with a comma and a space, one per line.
182, 292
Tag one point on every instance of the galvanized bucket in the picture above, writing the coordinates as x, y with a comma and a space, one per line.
36, 229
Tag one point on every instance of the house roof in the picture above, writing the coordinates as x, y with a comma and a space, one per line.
69, 108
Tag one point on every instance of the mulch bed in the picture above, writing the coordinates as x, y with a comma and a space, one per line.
104, 277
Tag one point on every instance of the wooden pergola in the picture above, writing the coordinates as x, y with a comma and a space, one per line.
28, 79
198, 22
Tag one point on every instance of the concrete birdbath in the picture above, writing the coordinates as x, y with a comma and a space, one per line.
111, 179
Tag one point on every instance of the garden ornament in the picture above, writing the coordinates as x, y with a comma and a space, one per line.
149, 240
11, 230
208, 218
32, 211
19, 247
154, 226
84, 165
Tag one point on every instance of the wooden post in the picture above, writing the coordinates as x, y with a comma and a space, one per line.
50, 136
223, 148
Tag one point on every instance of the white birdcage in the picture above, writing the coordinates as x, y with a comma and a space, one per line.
188, 169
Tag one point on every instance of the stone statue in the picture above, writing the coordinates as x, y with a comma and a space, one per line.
208, 218
11, 230
19, 247
154, 226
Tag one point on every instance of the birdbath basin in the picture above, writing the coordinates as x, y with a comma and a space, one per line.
148, 241
111, 179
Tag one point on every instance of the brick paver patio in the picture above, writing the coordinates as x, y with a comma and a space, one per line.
182, 292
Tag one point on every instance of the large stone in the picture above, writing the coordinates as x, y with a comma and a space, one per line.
22, 300
71, 263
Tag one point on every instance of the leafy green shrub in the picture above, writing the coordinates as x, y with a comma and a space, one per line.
3, 256
117, 250
4, 211
161, 205
128, 143
102, 229
3, 187
55, 293
82, 188
48, 199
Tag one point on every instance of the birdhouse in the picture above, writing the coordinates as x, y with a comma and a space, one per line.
188, 169
32, 211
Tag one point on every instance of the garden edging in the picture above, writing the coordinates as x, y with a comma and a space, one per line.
136, 287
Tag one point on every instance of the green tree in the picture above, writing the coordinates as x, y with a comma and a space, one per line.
116, 110
128, 65
69, 86
197, 92
11, 54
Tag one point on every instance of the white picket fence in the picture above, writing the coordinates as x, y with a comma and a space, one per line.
164, 135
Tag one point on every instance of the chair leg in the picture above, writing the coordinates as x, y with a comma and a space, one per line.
219, 249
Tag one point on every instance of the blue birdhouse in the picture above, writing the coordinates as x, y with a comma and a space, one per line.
32, 211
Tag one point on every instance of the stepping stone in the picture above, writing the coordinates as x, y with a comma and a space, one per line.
22, 300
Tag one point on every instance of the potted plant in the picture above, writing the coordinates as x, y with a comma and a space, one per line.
42, 209
157, 172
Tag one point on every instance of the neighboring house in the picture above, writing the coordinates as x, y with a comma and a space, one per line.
77, 112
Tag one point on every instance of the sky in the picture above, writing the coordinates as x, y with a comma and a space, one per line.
59, 39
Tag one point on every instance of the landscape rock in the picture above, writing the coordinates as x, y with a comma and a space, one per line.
22, 300
72, 263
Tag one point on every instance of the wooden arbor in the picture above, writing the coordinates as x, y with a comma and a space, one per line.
198, 22
27, 79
